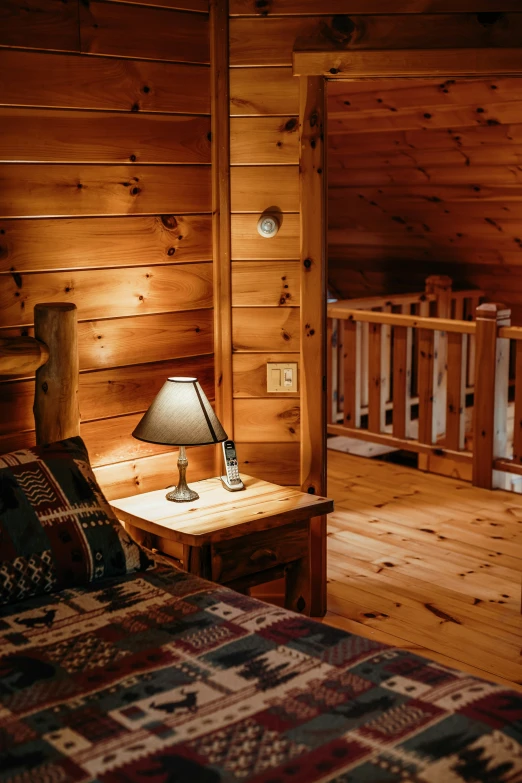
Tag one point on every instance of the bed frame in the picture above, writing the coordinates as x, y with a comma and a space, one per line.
53, 355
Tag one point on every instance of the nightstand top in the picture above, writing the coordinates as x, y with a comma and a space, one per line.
219, 514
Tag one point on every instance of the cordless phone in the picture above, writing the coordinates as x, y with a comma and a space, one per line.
231, 481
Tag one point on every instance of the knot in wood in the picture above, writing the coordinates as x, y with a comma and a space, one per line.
489, 18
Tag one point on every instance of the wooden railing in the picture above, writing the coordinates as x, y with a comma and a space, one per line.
438, 300
436, 421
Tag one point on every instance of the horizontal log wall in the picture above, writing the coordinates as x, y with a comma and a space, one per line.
105, 201
264, 150
424, 178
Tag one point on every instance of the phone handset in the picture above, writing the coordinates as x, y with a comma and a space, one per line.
231, 480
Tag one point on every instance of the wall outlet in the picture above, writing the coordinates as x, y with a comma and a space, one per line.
281, 376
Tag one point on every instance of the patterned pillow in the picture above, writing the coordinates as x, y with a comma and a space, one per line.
56, 528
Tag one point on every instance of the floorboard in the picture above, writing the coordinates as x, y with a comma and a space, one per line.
426, 563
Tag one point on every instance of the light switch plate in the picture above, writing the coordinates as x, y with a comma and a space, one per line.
281, 377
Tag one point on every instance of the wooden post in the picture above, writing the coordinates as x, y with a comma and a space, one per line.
56, 410
491, 393
312, 196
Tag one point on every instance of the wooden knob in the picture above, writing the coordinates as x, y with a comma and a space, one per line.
263, 554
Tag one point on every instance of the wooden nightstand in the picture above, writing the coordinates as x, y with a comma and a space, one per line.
240, 539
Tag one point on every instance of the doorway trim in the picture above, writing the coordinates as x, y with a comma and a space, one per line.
314, 68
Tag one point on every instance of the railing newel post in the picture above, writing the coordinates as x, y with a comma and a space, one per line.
490, 393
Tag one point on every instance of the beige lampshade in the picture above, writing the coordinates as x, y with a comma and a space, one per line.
180, 415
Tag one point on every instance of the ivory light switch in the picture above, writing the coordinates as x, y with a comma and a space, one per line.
281, 376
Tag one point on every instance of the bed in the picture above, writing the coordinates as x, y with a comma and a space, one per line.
146, 673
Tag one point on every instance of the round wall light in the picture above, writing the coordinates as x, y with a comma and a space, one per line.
268, 226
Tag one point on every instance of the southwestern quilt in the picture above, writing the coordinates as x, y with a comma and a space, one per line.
160, 677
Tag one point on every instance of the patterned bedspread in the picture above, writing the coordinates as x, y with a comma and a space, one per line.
161, 678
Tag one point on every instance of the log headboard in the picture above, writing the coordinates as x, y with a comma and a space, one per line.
53, 355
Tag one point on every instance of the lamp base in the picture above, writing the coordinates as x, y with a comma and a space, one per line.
182, 492
182, 495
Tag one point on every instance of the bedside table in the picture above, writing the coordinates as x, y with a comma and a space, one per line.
239, 539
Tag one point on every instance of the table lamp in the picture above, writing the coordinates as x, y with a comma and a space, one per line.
180, 415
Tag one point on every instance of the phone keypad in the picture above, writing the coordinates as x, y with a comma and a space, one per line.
233, 471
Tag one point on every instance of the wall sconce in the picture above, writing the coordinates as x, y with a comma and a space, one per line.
268, 225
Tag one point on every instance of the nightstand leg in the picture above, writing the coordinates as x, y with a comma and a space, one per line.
297, 586
197, 560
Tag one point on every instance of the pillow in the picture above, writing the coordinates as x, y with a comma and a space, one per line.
57, 529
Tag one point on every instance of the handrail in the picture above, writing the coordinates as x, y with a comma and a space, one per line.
510, 332
385, 301
413, 321
397, 300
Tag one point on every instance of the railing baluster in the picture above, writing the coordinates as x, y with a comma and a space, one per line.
376, 401
401, 380
440, 285
426, 386
352, 377
459, 307
386, 358
340, 368
330, 412
405, 310
517, 429
456, 392
363, 364
469, 314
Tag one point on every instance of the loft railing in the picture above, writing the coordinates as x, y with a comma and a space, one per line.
438, 300
425, 374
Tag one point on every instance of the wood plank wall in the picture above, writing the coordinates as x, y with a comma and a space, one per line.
424, 178
264, 108
105, 200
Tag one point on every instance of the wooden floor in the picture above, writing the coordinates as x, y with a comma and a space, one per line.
427, 563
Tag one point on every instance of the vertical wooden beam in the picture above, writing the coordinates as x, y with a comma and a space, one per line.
456, 392
312, 187
56, 411
220, 104
426, 386
491, 392
376, 410
401, 380
352, 378
517, 427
